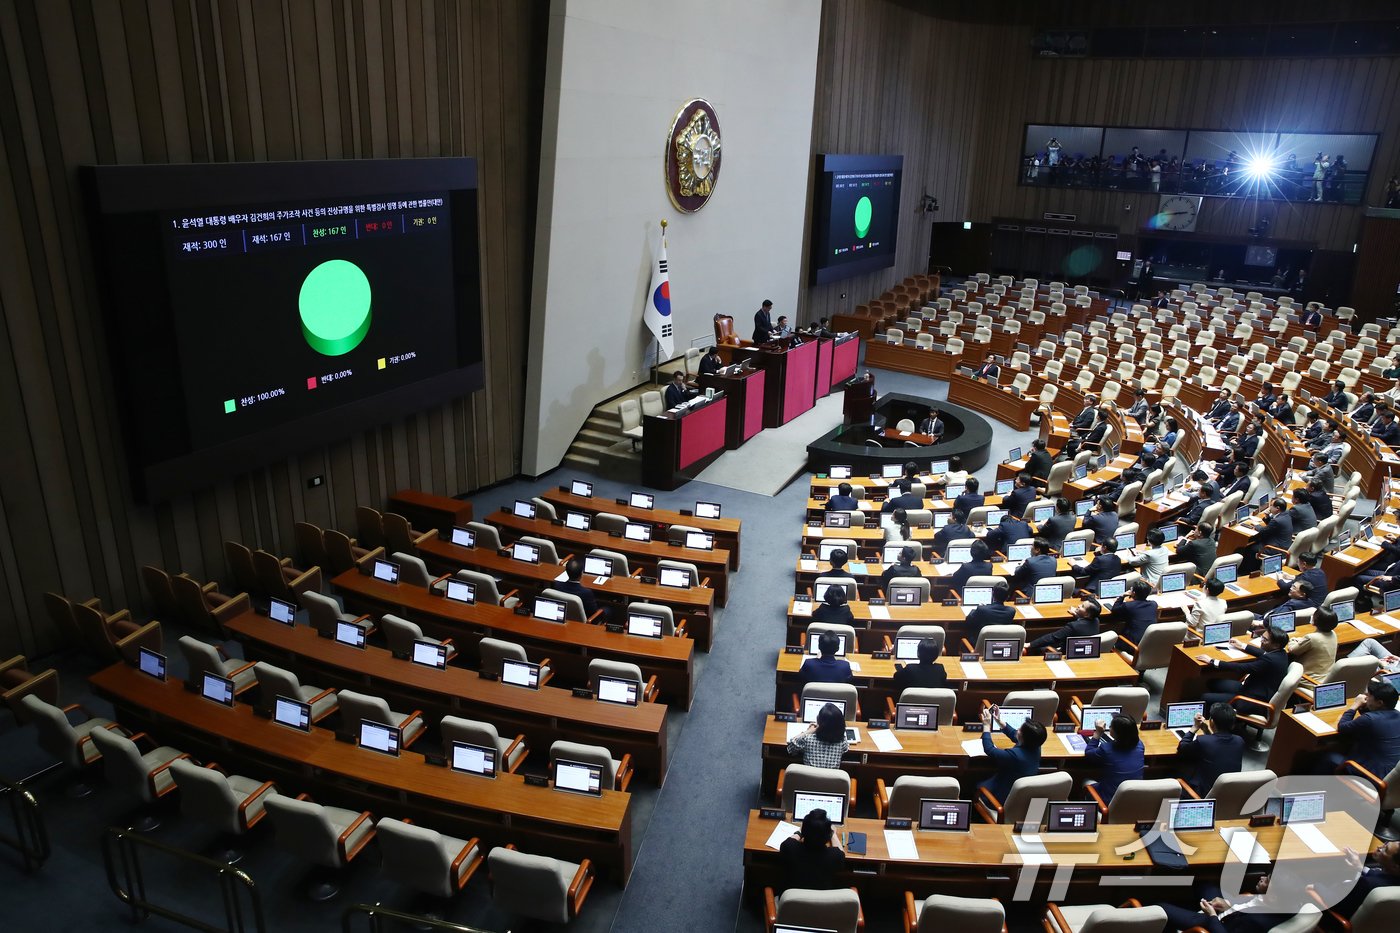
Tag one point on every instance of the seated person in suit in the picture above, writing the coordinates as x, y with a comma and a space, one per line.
979, 566
1022, 494
1096, 434
1384, 575
1133, 612
1198, 507
1311, 573
1371, 726
1103, 520
989, 370
813, 858
1152, 562
782, 329
903, 499
1277, 534
1083, 620
1323, 437
843, 501
826, 668
1257, 678
834, 608
1365, 409
1221, 406
1302, 513
1230, 423
927, 673
1037, 567
1317, 650
711, 362
1334, 448
1386, 430
1119, 752
1060, 524
1320, 497
1013, 528
1038, 463
1245, 444
932, 425
1337, 398
903, 567
677, 392
1312, 427
1213, 745
1283, 409
1018, 761
1085, 419
994, 613
971, 498
955, 530
1240, 481
1319, 469
1139, 409
1104, 565
573, 570
838, 564
1383, 872
1299, 597
1208, 608
1216, 913
824, 742
1198, 547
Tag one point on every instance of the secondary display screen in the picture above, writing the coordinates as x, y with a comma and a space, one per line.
257, 308
856, 223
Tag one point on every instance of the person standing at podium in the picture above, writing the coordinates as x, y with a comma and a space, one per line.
763, 322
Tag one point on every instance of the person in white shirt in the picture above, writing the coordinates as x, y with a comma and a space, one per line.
1210, 607
1153, 562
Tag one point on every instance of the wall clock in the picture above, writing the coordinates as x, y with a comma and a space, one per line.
1177, 212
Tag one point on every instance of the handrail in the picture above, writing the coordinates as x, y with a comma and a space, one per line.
375, 911
121, 850
31, 839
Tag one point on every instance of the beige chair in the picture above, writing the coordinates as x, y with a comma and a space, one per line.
70, 742
1136, 800
1055, 785
203, 607
343, 554
412, 570
486, 591
1238, 794
509, 752
945, 699
622, 670
1104, 918
310, 542
324, 613
486, 535
1043, 704
688, 568
617, 775
629, 414
328, 837
230, 803
902, 799
274, 682
1261, 715
549, 554
616, 559
995, 631
105, 637
838, 911
797, 778
843, 694
355, 707
401, 634
144, 776
658, 611
204, 658
537, 886
493, 651
1377, 913
1133, 700
937, 633
943, 913
1155, 650
426, 860
157, 584
574, 610
1356, 673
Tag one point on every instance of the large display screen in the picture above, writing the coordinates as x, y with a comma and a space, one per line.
856, 215
255, 309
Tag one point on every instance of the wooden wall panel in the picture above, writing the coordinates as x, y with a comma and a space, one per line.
97, 81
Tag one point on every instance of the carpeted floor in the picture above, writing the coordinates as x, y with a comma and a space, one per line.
773, 457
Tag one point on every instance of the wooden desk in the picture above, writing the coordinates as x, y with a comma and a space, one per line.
935, 364
725, 530
999, 403
425, 510
678, 445
913, 437
713, 564
503, 810
744, 415
544, 715
791, 384
1295, 743
695, 605
569, 645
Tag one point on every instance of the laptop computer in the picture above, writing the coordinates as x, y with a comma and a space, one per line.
1016, 552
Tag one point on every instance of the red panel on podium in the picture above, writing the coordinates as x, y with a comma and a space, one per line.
843, 360
824, 347
799, 390
753, 404
702, 432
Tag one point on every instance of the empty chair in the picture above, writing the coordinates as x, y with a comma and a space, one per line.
652, 403
1239, 794
357, 707
1052, 786
617, 775
901, 800
426, 860
157, 584
1136, 800
412, 570
204, 658
343, 554
945, 699
1043, 704
70, 742
328, 837
621, 670
274, 682
401, 634
324, 613
1154, 651
1355, 672
629, 413
198, 606
230, 803
538, 886
145, 776
400, 536
510, 752
106, 637
494, 651
617, 560
486, 591
1260, 715
657, 611
940, 913
1104, 918
995, 631
277, 577
17, 681
802, 908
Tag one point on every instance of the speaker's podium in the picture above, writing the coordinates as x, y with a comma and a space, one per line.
790, 365
858, 400
679, 443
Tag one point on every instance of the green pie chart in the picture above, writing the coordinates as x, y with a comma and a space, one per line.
335, 307
863, 214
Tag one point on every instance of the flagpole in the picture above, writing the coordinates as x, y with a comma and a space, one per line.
656, 367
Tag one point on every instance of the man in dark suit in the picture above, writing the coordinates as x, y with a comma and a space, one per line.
1083, 620
1105, 565
1384, 873
711, 362
932, 425
1098, 432
838, 564
1300, 596
1337, 398
834, 607
1216, 913
1312, 319
971, 498
1133, 613
1230, 422
763, 322
1257, 678
1245, 444
573, 570
979, 566
1139, 408
904, 500
1020, 760
956, 529
1085, 419
1240, 483
1198, 547
1312, 429
1213, 745
1199, 505
843, 501
677, 392
1038, 463
994, 613
1301, 514
1221, 406
1283, 410
927, 674
1277, 533
1060, 524
1372, 726
1012, 529
827, 668
1022, 494
1312, 575
989, 370
1365, 409
1321, 500
1384, 574
1103, 520
1386, 430
1203, 482
1034, 568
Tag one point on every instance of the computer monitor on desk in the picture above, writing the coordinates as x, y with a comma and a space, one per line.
386, 570
814, 641
905, 595
707, 510
977, 595
1228, 573
464, 537
811, 706
674, 577
1083, 647
429, 653
939, 815
1001, 649
958, 554
636, 531
549, 610
1330, 696
151, 663
1016, 552
918, 716
647, 626
597, 566
523, 508
1191, 815
380, 737
1080, 818
578, 521
216, 688
641, 500
1112, 588
521, 674
1076, 547
527, 553
619, 690
292, 713
804, 802
469, 758
1015, 716
461, 591
578, 777
1215, 633
579, 488
351, 634
279, 610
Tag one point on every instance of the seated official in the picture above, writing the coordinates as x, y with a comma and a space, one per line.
678, 392
1365, 408
843, 501
1337, 398
994, 613
1116, 748
1382, 871
1013, 528
902, 567
1230, 422
1369, 647
1103, 520
1386, 429
979, 566
827, 668
1257, 678
782, 328
902, 498
1198, 547
955, 530
1139, 409
1221, 406
1198, 507
1085, 419
895, 525
932, 425
1320, 499
1153, 562
1319, 469
1334, 448
1209, 607
1245, 445
1215, 913
1277, 534
1133, 612
928, 673
971, 498
838, 564
824, 741
1312, 428
1104, 566
1018, 761
813, 859
1083, 620
1371, 728
835, 608
1240, 480
1022, 494
711, 362
1311, 574
1384, 575
1056, 527
989, 371
1039, 462
1214, 747
1095, 435
1317, 650
573, 571
1037, 567
1299, 597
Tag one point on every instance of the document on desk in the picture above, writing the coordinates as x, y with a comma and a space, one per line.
1363, 628
972, 670
879, 612
900, 844
1072, 741
807, 565
1388, 620
563, 575
974, 748
1029, 612
857, 566
1244, 846
884, 739
1032, 850
802, 609
1314, 723
1060, 669
1344, 556
968, 611
782, 833
1313, 838
1233, 654
795, 729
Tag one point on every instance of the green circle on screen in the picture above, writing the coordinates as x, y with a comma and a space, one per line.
863, 214
335, 307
